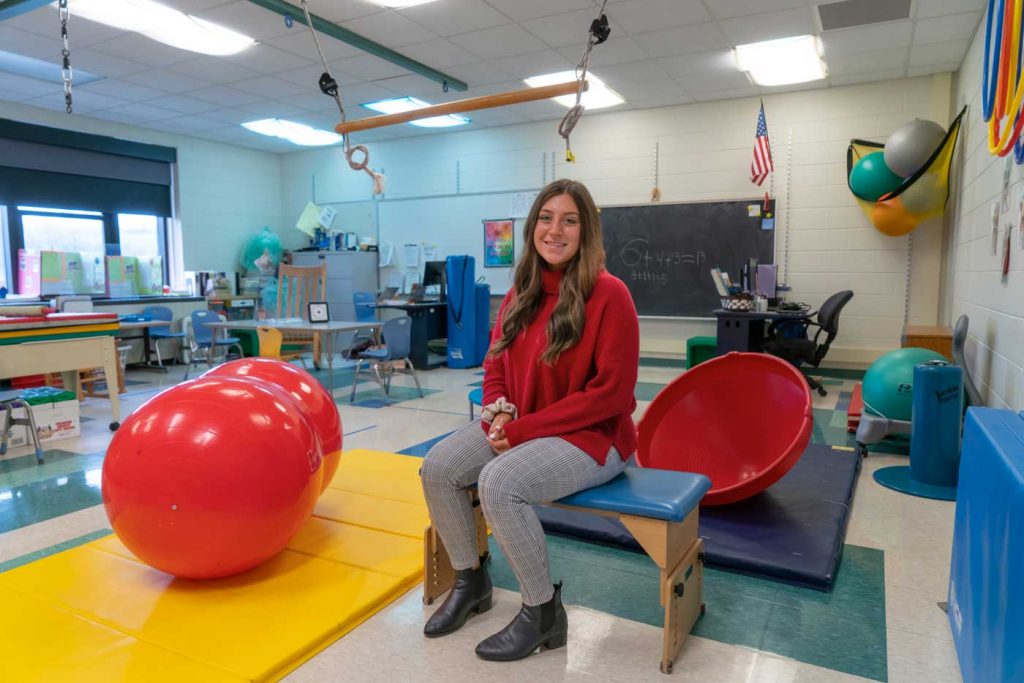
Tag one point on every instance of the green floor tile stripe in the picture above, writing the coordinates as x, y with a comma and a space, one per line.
662, 363
646, 391
57, 464
843, 630
53, 549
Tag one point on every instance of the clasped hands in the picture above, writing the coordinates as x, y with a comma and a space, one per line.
496, 434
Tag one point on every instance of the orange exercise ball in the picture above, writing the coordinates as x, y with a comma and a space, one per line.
211, 477
309, 395
891, 218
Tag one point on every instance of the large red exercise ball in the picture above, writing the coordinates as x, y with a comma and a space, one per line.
888, 386
911, 145
925, 195
871, 179
211, 477
309, 395
742, 419
892, 219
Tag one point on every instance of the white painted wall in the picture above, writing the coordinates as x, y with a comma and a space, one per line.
705, 153
995, 348
226, 193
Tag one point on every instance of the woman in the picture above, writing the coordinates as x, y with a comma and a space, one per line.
558, 400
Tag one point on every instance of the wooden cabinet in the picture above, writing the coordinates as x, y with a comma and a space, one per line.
931, 337
347, 272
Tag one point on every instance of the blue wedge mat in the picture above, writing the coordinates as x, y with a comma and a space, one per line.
793, 532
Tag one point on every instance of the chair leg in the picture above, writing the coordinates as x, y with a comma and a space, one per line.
156, 347
816, 385
415, 378
7, 429
355, 380
35, 433
380, 381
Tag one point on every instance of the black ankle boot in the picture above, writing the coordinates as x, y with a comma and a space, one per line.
543, 626
471, 593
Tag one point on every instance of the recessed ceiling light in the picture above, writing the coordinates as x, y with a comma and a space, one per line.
163, 24
298, 133
597, 96
398, 105
783, 61
40, 69
399, 4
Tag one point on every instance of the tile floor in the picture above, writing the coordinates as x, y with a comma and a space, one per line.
903, 542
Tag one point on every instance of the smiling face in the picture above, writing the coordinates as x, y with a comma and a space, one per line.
556, 236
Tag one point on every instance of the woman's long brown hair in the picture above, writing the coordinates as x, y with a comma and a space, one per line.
565, 327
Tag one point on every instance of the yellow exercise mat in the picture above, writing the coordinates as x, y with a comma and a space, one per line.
97, 613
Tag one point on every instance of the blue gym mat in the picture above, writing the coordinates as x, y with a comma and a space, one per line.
793, 532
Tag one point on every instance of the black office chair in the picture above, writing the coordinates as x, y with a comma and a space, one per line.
801, 349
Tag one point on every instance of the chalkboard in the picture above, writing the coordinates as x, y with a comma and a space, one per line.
665, 252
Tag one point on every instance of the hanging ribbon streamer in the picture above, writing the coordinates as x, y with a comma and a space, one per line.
1002, 96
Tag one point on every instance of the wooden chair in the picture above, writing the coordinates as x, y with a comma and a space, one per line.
296, 287
270, 339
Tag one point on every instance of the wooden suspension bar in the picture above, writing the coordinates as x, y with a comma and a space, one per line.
459, 106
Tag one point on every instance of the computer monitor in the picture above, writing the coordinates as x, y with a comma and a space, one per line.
434, 279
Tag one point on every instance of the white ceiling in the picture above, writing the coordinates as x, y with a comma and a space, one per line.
661, 52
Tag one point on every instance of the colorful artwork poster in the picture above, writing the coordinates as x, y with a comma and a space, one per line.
499, 243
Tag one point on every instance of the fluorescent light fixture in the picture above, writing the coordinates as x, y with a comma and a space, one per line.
400, 4
40, 69
597, 96
298, 133
398, 105
163, 24
783, 61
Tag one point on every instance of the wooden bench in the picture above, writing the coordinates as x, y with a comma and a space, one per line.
659, 507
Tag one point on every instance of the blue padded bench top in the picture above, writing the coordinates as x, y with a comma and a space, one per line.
644, 492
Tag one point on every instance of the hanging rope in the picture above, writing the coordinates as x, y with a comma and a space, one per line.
599, 31
330, 87
66, 73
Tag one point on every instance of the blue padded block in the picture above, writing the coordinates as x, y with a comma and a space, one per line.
659, 494
793, 532
986, 593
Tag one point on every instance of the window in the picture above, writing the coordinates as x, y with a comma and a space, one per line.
139, 235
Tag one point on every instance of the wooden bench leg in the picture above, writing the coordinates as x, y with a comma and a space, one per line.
676, 548
438, 574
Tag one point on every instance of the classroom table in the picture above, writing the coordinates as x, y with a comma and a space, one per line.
935, 337
66, 356
744, 330
147, 353
329, 330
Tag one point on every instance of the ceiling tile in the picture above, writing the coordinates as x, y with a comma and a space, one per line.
54, 101
104, 64
726, 9
212, 70
369, 68
727, 94
500, 41
534, 64
300, 42
89, 101
861, 62
389, 28
309, 76
41, 22
523, 10
661, 100
439, 53
867, 38
613, 51
25, 88
618, 75
568, 29
938, 53
932, 69
866, 77
182, 105
709, 62
946, 28
342, 10
478, 73
267, 59
317, 101
146, 112
141, 49
162, 79
754, 28
233, 116
246, 18
412, 85
362, 93
682, 39
132, 92
224, 96
271, 109
638, 16
934, 8
455, 16
269, 86
28, 44
193, 6
189, 124
702, 83
645, 91
83, 33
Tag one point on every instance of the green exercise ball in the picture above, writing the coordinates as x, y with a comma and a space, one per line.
870, 178
911, 145
888, 386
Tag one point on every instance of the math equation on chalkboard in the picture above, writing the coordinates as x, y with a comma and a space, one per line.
654, 265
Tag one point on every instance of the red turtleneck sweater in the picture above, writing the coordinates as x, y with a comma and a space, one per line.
587, 396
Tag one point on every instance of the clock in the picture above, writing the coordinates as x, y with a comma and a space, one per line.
318, 312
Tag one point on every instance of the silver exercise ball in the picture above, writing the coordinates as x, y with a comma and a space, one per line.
910, 145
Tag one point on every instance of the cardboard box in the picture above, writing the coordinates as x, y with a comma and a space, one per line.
54, 421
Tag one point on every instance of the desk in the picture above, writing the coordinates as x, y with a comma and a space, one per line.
429, 321
66, 356
328, 330
744, 330
932, 337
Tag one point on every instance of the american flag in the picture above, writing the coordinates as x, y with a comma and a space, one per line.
761, 166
